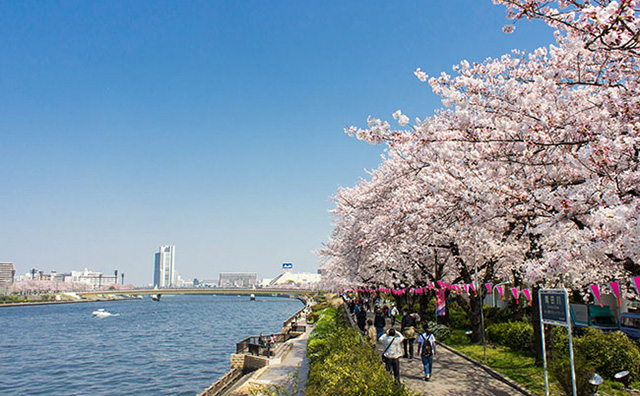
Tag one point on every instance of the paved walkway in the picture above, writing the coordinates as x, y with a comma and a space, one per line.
452, 375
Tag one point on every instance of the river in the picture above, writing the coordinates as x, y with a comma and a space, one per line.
177, 346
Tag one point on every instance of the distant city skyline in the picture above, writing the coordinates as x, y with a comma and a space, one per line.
217, 126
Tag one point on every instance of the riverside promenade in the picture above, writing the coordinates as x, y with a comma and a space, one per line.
287, 375
453, 374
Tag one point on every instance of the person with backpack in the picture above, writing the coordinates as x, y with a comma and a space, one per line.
408, 330
427, 348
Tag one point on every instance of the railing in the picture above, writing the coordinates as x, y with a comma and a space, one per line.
261, 345
221, 384
294, 318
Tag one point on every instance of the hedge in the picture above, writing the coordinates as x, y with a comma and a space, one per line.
518, 336
341, 364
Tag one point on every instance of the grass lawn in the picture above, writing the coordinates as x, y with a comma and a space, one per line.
520, 367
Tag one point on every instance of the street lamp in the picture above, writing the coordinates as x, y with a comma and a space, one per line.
494, 291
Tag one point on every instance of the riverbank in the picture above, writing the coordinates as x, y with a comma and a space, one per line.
266, 363
69, 301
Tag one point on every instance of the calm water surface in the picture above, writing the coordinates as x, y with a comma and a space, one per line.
177, 346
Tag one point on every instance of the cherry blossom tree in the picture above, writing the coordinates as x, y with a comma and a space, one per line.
530, 173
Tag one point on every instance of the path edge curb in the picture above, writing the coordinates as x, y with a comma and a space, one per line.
491, 371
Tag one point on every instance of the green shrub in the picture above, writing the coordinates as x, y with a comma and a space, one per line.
493, 315
440, 331
458, 318
560, 370
609, 353
341, 364
518, 336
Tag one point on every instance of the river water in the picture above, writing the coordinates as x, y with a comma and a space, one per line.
177, 346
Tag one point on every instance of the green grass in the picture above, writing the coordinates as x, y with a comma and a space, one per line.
520, 367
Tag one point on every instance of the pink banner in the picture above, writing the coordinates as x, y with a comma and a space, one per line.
488, 285
501, 291
527, 294
466, 288
473, 287
514, 291
596, 293
615, 287
636, 283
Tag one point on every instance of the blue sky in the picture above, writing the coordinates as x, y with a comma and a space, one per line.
215, 126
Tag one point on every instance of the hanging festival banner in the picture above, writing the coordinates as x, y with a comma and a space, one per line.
501, 291
473, 287
514, 291
488, 285
527, 294
615, 287
466, 288
636, 282
441, 303
596, 293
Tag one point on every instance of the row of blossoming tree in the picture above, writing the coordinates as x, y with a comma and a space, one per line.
529, 174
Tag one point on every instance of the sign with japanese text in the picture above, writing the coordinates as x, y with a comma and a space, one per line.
554, 307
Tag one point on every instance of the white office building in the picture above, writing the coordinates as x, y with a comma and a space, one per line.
164, 274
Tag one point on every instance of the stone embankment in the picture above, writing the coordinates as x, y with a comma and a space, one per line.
277, 361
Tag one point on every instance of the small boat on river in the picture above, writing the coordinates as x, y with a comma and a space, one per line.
101, 313
252, 297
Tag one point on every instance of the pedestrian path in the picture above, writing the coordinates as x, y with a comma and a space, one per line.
452, 375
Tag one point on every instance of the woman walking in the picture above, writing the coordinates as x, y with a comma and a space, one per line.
427, 348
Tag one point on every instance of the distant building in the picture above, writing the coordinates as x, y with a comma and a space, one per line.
290, 278
238, 279
92, 278
164, 270
205, 282
7, 274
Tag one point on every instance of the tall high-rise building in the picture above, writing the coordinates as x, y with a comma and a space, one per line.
164, 274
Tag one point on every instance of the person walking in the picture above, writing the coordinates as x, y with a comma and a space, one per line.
392, 344
379, 322
393, 313
361, 319
371, 333
408, 329
427, 349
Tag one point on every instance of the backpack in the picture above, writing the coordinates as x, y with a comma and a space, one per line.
427, 348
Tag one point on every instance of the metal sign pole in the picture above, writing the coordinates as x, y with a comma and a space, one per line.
573, 367
544, 348
554, 309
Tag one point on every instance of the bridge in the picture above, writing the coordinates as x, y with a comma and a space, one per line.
200, 290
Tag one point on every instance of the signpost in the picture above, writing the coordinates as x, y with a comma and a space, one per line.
554, 310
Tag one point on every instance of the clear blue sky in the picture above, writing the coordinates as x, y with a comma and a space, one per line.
215, 126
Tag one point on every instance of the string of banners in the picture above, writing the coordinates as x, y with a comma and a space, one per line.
470, 288
467, 288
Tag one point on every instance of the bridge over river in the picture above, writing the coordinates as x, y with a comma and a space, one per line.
200, 290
